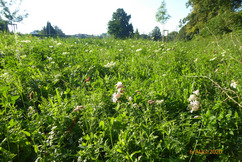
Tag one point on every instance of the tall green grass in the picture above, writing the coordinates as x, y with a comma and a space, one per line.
43, 81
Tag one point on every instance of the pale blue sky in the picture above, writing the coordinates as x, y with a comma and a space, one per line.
92, 16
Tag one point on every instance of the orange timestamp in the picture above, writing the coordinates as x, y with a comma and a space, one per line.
216, 151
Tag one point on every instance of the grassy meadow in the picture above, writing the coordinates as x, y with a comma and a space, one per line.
69, 99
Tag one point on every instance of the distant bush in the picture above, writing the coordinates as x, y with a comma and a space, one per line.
183, 35
223, 23
3, 25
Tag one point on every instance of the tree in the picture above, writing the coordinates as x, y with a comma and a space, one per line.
156, 34
144, 36
206, 10
3, 25
136, 34
162, 15
10, 11
48, 30
172, 36
119, 26
59, 32
51, 31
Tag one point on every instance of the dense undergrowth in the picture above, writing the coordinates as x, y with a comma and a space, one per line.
57, 99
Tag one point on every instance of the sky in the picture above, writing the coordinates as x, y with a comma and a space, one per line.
92, 16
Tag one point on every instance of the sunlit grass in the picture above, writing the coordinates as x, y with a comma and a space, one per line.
60, 99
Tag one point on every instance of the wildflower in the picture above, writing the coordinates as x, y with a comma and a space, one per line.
213, 59
111, 64
115, 97
223, 53
196, 92
195, 108
25, 41
119, 85
23, 56
196, 60
233, 84
65, 53
4, 75
49, 58
159, 101
192, 97
156, 51
194, 105
214, 52
120, 91
138, 50
135, 105
50, 46
216, 70
120, 50
87, 79
78, 108
130, 98
58, 44
151, 102
196, 117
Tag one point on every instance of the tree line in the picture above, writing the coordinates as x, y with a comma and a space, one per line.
218, 16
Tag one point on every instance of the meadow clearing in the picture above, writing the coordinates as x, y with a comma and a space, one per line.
69, 99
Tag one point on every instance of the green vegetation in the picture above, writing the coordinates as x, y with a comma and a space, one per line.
51, 31
156, 34
119, 26
62, 100
10, 14
221, 17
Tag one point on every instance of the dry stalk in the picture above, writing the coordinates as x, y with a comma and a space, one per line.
223, 90
222, 47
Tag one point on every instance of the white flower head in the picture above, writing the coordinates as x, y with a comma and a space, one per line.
194, 105
195, 108
49, 58
115, 97
135, 105
213, 59
130, 98
138, 50
110, 64
192, 97
25, 41
78, 108
196, 60
159, 101
233, 84
119, 85
196, 92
